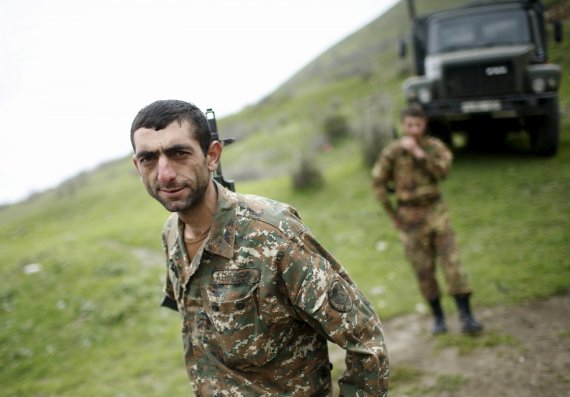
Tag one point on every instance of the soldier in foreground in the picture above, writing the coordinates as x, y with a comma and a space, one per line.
413, 166
257, 294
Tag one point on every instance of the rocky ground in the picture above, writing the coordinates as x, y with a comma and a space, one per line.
523, 351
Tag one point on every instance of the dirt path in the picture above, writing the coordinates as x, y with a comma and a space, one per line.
524, 351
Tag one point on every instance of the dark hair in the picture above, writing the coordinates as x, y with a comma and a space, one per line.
413, 111
158, 115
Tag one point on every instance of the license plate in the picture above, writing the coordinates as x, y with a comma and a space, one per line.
480, 106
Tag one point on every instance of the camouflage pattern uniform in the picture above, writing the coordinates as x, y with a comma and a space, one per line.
259, 301
425, 228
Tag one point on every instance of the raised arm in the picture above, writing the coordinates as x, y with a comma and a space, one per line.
437, 160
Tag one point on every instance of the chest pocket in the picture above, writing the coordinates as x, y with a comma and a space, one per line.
230, 301
404, 174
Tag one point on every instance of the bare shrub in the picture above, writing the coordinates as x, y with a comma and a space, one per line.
336, 126
308, 175
374, 139
376, 130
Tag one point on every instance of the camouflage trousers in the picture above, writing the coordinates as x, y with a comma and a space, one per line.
428, 237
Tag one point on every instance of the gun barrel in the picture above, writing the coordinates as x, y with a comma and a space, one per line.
218, 175
211, 117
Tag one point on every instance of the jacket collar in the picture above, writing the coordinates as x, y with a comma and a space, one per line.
222, 233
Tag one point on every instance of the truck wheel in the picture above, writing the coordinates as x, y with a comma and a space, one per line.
545, 132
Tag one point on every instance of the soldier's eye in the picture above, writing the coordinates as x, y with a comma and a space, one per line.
146, 158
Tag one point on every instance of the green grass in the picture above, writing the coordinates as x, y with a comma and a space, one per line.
466, 344
411, 381
403, 375
443, 384
89, 322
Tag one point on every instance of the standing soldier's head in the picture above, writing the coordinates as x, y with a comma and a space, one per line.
414, 121
174, 153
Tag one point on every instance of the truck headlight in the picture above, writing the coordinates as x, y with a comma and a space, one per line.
544, 77
538, 85
552, 83
417, 89
424, 95
411, 95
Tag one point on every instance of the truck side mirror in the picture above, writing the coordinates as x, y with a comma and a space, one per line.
402, 48
558, 34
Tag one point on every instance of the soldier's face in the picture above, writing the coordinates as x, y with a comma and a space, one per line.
172, 166
414, 126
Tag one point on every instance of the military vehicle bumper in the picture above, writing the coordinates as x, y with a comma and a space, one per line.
506, 106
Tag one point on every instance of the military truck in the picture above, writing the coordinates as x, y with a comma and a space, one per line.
481, 68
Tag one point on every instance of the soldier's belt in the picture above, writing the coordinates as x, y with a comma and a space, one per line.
419, 202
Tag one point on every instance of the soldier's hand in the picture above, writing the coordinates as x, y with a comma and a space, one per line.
411, 145
419, 153
408, 143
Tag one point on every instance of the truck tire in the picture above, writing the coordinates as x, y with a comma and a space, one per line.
545, 131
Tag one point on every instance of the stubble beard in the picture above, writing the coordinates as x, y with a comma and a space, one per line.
194, 197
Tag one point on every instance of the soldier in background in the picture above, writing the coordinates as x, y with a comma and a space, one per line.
413, 166
257, 294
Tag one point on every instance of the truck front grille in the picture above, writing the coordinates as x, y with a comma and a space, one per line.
490, 78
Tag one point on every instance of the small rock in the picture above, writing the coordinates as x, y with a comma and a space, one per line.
32, 268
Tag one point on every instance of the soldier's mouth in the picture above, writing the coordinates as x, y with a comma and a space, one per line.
172, 191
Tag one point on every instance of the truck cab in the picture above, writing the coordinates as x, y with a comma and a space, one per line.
482, 69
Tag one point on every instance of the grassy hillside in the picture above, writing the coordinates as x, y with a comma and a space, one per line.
81, 266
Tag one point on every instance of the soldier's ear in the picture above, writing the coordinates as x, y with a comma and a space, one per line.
136, 164
213, 156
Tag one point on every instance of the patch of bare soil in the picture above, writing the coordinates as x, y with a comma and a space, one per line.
523, 351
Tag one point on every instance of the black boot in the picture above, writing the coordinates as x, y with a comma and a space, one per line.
439, 326
468, 323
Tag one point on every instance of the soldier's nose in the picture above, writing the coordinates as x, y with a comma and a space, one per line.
166, 172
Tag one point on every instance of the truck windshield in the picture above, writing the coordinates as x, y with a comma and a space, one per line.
478, 30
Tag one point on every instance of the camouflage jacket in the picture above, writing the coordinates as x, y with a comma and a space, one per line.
414, 181
259, 301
